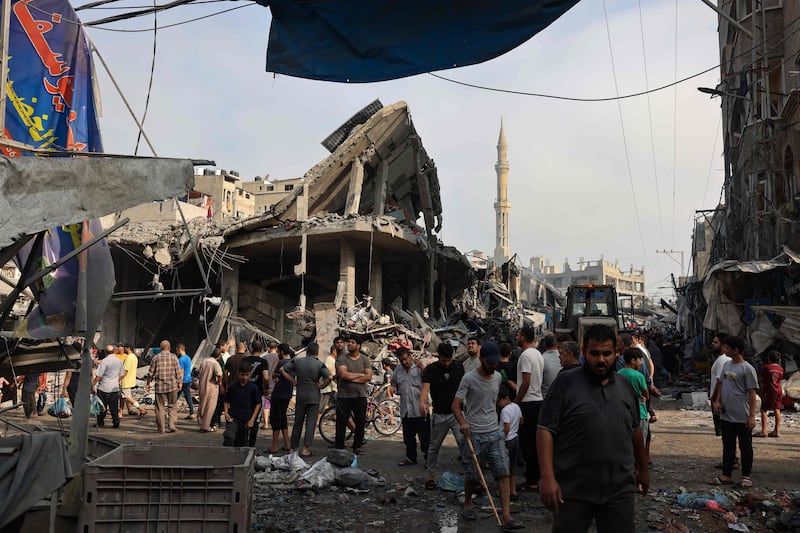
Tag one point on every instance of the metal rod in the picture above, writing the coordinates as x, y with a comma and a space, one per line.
160, 294
194, 246
8, 303
728, 18
39, 275
124, 100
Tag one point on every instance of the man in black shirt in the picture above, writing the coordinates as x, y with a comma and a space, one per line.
259, 374
242, 405
587, 440
441, 379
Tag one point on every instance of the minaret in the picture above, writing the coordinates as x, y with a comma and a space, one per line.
502, 205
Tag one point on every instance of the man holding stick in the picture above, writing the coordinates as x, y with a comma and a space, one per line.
475, 409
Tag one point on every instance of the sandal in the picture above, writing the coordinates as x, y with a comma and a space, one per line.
746, 482
512, 525
430, 484
469, 514
406, 462
719, 481
759, 435
773, 435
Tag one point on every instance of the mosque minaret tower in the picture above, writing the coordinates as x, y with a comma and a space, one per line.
502, 205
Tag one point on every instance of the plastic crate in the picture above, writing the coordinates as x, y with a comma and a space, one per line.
168, 489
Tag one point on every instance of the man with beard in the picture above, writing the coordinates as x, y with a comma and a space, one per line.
588, 440
354, 372
720, 359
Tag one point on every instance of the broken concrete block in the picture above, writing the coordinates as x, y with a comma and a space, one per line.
695, 399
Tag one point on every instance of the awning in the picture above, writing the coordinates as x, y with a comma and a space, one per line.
365, 41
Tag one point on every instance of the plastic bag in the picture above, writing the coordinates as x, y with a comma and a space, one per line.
288, 462
450, 481
60, 409
351, 477
96, 406
321, 474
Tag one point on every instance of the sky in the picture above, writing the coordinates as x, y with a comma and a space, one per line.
577, 190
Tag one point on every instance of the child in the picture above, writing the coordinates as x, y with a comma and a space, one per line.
633, 360
510, 418
771, 393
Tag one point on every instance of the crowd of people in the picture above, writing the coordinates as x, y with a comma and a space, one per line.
574, 419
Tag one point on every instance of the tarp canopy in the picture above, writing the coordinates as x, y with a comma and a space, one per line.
367, 41
725, 309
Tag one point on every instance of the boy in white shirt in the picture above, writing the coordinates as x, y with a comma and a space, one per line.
510, 417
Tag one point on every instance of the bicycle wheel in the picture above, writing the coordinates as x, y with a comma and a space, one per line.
387, 417
327, 425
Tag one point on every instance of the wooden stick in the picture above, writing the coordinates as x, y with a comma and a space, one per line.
483, 480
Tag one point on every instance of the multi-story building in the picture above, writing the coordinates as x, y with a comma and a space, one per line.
268, 193
760, 99
630, 284
229, 198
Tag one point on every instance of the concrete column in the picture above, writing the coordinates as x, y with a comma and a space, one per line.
230, 287
347, 272
376, 280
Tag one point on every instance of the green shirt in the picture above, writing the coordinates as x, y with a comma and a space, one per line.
639, 386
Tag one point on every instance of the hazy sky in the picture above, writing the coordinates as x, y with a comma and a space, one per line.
569, 183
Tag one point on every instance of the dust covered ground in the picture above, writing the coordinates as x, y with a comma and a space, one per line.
684, 454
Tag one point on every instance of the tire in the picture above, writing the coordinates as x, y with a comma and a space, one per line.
327, 425
387, 417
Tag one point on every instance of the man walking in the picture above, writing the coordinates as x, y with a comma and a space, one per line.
475, 408
735, 402
589, 438
242, 404
130, 364
186, 383
354, 372
166, 372
440, 381
208, 379
551, 362
407, 382
311, 376
530, 370
106, 378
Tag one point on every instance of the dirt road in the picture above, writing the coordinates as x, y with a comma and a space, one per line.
684, 452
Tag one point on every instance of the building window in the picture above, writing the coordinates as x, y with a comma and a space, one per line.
288, 187
259, 187
270, 187
789, 173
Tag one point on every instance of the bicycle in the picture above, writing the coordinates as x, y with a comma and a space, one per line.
384, 416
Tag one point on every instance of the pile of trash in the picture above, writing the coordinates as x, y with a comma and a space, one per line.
339, 468
739, 510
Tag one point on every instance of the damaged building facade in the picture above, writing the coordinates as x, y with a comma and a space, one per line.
359, 227
747, 277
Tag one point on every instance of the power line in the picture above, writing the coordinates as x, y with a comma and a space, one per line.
140, 13
622, 124
612, 98
650, 120
150, 83
675, 130
181, 23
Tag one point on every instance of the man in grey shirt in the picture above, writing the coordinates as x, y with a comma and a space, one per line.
106, 379
354, 371
308, 372
475, 408
407, 382
552, 362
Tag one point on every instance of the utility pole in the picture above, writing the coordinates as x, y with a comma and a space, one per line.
669, 253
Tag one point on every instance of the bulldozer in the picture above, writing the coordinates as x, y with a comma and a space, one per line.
587, 305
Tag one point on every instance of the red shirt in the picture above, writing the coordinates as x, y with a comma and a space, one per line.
771, 376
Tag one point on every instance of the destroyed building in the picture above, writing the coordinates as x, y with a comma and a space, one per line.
361, 223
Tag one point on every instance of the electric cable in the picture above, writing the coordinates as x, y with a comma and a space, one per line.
650, 121
675, 131
612, 98
622, 125
133, 14
711, 164
181, 23
150, 83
